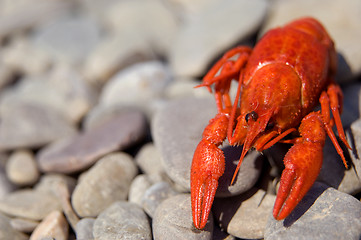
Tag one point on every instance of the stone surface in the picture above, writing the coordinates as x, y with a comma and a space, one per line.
84, 229
122, 220
81, 151
213, 31
106, 182
149, 161
177, 129
7, 232
31, 204
324, 213
339, 26
23, 225
69, 39
173, 220
252, 207
138, 187
22, 121
21, 168
155, 195
54, 226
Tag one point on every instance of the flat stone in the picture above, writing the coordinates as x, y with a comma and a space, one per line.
173, 220
22, 121
212, 32
177, 129
54, 226
21, 168
68, 39
9, 233
23, 225
338, 25
122, 220
324, 213
81, 151
106, 182
252, 207
84, 229
31, 204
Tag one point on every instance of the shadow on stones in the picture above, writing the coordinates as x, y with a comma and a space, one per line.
305, 204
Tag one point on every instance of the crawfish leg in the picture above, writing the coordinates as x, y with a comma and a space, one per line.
207, 167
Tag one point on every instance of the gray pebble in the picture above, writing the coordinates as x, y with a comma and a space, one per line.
106, 182
84, 229
155, 195
81, 151
122, 220
252, 208
149, 161
215, 29
324, 213
21, 168
22, 121
173, 220
31, 204
137, 188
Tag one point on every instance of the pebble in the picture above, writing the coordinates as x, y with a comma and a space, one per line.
104, 183
122, 220
138, 187
324, 213
30, 204
173, 220
84, 229
213, 31
140, 85
22, 121
149, 161
23, 225
54, 225
339, 26
252, 207
177, 129
155, 195
81, 151
21, 168
7, 232
69, 39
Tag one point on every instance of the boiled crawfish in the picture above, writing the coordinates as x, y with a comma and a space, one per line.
280, 82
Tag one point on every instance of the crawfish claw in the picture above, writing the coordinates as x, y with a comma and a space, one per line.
207, 167
303, 163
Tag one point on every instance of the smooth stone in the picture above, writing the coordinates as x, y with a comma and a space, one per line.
324, 213
155, 195
149, 161
104, 183
185, 87
69, 39
139, 85
213, 31
252, 207
122, 220
20, 17
176, 130
22, 121
77, 153
54, 226
50, 183
351, 103
6, 186
338, 25
173, 220
30, 204
113, 53
138, 187
23, 225
7, 232
184, 120
157, 22
21, 168
84, 229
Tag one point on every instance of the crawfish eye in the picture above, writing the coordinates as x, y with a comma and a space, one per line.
252, 115
270, 125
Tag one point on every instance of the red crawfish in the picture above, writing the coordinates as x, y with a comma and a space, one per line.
280, 82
